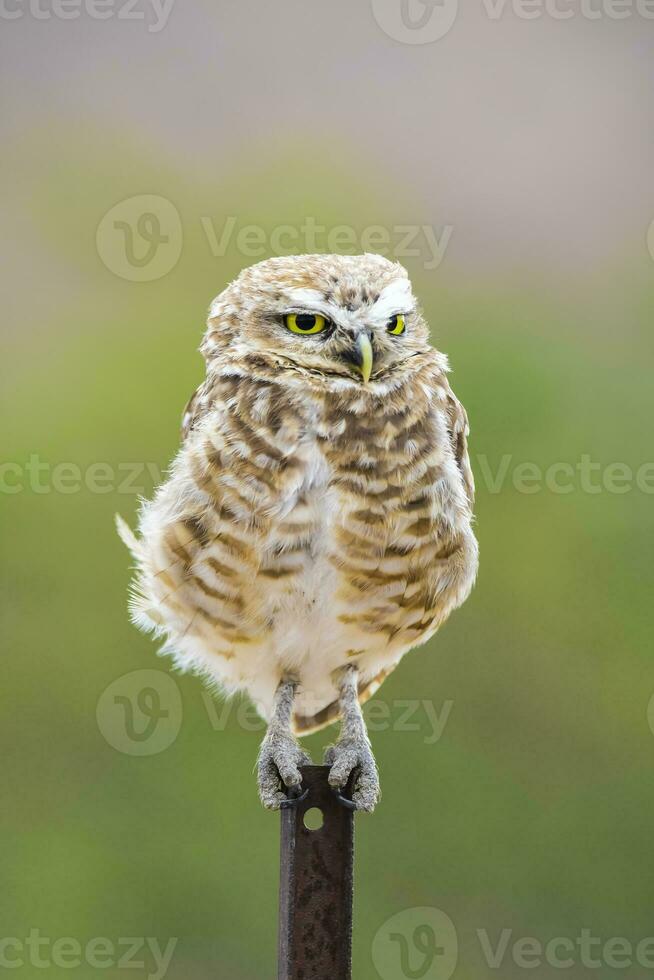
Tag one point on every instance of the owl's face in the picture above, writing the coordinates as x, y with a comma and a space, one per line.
342, 316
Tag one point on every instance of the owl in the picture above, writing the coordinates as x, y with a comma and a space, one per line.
316, 524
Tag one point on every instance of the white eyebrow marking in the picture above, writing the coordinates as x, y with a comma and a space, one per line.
311, 299
396, 297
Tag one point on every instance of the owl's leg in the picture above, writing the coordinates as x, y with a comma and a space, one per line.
280, 754
352, 752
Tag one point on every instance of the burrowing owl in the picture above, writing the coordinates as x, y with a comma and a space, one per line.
316, 523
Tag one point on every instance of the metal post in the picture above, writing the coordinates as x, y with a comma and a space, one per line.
315, 913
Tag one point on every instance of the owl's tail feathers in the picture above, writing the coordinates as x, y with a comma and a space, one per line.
128, 537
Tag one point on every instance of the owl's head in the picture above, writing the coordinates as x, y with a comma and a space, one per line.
343, 316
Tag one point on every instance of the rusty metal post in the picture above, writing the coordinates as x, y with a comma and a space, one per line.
315, 905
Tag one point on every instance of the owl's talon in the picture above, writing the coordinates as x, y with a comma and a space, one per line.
343, 800
293, 801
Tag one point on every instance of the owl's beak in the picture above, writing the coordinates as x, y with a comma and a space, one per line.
364, 356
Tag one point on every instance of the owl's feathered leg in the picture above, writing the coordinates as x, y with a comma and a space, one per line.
280, 754
353, 752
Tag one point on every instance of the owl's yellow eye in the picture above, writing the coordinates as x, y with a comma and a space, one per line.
396, 324
306, 323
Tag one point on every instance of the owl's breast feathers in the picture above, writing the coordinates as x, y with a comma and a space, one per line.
310, 519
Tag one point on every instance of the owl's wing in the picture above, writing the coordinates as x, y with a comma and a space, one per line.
459, 431
196, 408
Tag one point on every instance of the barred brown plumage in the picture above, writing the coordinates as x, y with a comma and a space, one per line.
315, 525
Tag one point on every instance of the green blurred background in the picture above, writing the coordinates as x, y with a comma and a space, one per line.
532, 811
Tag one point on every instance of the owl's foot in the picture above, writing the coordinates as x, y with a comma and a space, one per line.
280, 755
352, 755
278, 767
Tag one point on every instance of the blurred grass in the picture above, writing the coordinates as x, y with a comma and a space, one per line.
533, 810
